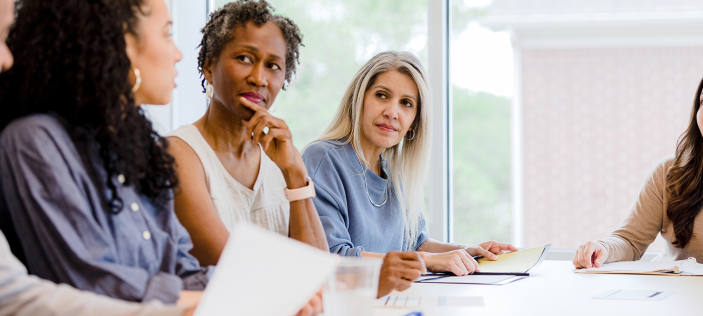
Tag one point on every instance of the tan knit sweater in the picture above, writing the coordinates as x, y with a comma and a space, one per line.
646, 219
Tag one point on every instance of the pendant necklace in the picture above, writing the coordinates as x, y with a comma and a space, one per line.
385, 192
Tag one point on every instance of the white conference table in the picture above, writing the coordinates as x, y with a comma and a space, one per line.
554, 289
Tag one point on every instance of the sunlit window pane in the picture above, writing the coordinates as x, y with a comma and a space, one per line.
601, 92
481, 67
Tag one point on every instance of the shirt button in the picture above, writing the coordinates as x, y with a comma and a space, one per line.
146, 235
135, 207
120, 178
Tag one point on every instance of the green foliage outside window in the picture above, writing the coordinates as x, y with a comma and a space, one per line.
340, 36
481, 165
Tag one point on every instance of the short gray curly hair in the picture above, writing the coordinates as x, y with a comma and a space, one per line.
218, 32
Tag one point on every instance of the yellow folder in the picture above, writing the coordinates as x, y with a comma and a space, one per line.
521, 261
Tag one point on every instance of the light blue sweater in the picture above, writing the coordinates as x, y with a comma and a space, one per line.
352, 224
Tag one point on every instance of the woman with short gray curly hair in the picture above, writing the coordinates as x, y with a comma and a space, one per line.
246, 56
238, 162
229, 168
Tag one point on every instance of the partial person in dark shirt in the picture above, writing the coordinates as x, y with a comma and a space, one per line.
86, 187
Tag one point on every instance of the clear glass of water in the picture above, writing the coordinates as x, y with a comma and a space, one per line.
352, 289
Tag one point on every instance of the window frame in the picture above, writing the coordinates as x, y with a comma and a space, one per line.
440, 175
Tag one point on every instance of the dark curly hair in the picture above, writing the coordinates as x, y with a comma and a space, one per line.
70, 61
218, 32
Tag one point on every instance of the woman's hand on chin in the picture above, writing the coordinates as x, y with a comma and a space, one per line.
277, 143
457, 261
489, 249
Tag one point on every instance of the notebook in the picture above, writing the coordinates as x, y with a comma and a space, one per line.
518, 262
688, 267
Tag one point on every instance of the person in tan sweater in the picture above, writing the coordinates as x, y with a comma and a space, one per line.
669, 203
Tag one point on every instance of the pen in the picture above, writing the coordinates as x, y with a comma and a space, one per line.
503, 273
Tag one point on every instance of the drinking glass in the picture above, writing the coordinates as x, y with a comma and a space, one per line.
352, 288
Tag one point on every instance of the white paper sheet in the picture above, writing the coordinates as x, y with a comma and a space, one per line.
264, 273
679, 267
419, 301
635, 295
632, 266
475, 279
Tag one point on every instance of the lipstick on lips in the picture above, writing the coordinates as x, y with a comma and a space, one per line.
253, 97
386, 128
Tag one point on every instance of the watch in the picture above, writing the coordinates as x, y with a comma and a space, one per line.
305, 192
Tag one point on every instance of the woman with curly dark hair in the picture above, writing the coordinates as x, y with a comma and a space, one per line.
238, 162
26, 295
85, 193
669, 203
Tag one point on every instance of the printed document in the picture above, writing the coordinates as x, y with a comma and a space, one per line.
258, 267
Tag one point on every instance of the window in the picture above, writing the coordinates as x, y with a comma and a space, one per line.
597, 93
481, 69
558, 110
340, 37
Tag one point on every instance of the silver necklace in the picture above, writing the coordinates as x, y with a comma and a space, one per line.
385, 191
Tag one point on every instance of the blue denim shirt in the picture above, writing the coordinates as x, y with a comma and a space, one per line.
50, 204
352, 224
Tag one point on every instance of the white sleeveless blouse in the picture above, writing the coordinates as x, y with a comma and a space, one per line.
265, 205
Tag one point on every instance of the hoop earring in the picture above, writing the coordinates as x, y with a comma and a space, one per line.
209, 90
138, 80
412, 136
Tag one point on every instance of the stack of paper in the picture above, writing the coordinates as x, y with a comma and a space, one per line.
680, 267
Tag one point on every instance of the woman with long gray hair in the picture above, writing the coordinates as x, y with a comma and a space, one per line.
369, 168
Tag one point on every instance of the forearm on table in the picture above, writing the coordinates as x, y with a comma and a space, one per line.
620, 249
46, 298
435, 246
636, 232
366, 254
